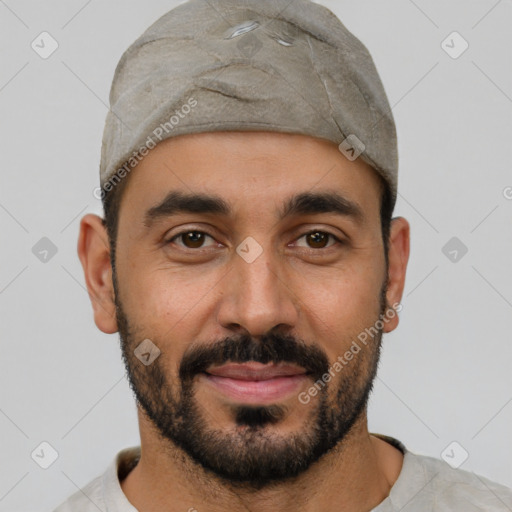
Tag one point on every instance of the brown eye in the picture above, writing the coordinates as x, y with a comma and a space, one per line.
191, 239
318, 239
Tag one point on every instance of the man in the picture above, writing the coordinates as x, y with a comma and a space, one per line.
250, 264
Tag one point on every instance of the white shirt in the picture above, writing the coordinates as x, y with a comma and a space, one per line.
424, 484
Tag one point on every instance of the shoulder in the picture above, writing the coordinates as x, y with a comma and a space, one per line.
87, 499
454, 489
105, 492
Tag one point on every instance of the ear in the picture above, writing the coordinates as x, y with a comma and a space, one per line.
94, 253
398, 257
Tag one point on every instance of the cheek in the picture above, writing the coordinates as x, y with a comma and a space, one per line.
342, 305
167, 303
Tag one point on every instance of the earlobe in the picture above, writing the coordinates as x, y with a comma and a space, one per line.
399, 247
94, 253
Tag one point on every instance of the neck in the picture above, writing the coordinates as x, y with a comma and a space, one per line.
356, 475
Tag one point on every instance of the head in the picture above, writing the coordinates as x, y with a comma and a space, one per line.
283, 257
250, 248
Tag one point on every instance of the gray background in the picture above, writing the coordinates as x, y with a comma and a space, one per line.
445, 373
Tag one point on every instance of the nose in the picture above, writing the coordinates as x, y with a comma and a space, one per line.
258, 296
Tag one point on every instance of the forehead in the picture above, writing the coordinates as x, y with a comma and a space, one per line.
249, 169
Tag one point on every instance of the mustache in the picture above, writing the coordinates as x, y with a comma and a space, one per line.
271, 348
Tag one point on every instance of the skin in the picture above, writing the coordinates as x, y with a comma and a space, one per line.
323, 295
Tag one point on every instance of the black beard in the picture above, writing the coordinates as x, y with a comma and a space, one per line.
252, 455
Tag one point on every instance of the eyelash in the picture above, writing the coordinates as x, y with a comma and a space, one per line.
177, 235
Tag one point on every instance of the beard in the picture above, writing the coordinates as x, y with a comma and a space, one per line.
252, 454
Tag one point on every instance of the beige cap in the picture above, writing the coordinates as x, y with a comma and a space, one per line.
248, 65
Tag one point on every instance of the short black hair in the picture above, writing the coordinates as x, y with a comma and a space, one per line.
112, 201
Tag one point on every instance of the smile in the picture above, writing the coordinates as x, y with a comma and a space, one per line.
256, 383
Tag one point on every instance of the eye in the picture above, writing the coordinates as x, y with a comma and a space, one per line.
318, 239
191, 239
194, 239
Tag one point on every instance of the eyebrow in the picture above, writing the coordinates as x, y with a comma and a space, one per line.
305, 203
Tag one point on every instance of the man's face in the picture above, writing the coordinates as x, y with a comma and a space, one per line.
249, 308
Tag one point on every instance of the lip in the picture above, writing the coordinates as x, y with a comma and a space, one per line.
256, 383
254, 371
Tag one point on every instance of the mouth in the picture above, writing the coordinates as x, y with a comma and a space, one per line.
256, 383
